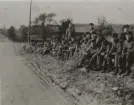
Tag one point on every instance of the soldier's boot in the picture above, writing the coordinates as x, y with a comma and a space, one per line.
121, 71
116, 70
88, 67
132, 75
79, 65
110, 68
103, 69
128, 71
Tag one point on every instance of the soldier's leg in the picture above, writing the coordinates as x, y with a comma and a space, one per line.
69, 53
59, 53
100, 60
109, 63
116, 69
121, 63
82, 60
104, 64
92, 60
128, 64
73, 52
132, 76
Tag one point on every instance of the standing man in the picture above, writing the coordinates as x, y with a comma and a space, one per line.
91, 28
70, 31
128, 52
113, 54
125, 30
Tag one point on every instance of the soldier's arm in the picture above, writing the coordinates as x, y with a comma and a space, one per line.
124, 49
101, 48
66, 32
107, 49
111, 49
132, 48
88, 48
119, 49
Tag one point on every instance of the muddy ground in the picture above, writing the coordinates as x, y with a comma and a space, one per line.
91, 88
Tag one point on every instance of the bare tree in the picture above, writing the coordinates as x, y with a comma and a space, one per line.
104, 27
41, 20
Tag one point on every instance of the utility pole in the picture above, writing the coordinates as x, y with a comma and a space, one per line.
29, 28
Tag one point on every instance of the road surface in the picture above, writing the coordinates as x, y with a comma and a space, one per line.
19, 85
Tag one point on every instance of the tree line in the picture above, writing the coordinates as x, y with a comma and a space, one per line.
39, 26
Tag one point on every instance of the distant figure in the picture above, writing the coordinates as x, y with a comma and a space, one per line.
91, 28
125, 30
70, 31
128, 52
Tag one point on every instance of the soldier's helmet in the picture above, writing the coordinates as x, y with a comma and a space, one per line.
125, 26
91, 24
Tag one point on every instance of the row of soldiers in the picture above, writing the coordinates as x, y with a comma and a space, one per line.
95, 52
117, 56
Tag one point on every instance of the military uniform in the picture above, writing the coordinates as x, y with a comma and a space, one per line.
102, 58
71, 48
115, 55
91, 51
70, 33
125, 32
128, 51
87, 52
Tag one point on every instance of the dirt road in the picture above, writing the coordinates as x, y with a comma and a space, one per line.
19, 85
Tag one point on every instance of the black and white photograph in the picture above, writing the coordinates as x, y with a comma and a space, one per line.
66, 52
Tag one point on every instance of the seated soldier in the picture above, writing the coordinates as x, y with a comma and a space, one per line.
95, 59
71, 48
82, 46
89, 51
46, 49
119, 56
128, 52
115, 55
103, 55
76, 52
60, 49
65, 51
54, 49
87, 35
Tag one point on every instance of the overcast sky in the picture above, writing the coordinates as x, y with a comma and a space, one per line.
16, 12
